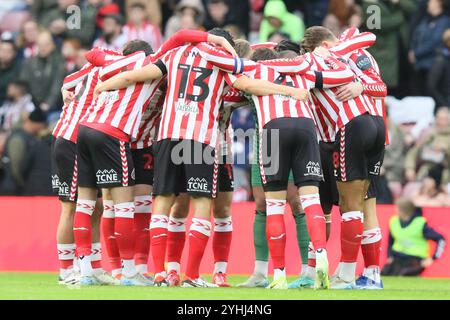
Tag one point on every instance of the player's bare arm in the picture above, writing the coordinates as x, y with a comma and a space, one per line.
124, 79
263, 88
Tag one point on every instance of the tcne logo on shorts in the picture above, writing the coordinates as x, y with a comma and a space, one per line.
106, 176
63, 189
313, 169
197, 185
55, 181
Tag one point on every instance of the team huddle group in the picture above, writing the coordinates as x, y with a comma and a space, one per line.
149, 133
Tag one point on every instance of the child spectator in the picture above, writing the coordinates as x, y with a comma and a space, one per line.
408, 250
189, 14
138, 27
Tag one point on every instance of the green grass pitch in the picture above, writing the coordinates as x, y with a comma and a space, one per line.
44, 286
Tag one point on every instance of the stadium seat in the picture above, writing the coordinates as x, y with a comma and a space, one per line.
416, 111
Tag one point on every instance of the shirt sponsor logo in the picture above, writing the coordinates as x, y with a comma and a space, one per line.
112, 96
197, 185
106, 176
182, 106
313, 169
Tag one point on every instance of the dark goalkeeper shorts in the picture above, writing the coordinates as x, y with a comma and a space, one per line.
143, 165
185, 166
290, 144
64, 169
103, 161
226, 181
328, 191
360, 144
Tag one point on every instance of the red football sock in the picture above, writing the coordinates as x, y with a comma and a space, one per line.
371, 247
142, 228
66, 254
311, 256
124, 222
223, 231
198, 238
82, 230
96, 258
315, 220
351, 234
107, 225
175, 242
276, 231
158, 240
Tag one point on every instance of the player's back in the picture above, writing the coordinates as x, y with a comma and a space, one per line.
326, 102
278, 106
195, 88
123, 108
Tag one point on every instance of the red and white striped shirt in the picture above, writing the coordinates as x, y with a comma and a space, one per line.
366, 69
149, 122
195, 86
368, 72
277, 106
82, 83
147, 32
118, 113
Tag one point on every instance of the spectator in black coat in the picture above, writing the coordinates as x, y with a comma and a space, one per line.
439, 77
426, 40
220, 13
9, 66
25, 162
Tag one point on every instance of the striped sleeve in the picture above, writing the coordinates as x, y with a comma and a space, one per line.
269, 45
71, 81
361, 41
223, 60
298, 65
117, 66
339, 74
180, 38
98, 56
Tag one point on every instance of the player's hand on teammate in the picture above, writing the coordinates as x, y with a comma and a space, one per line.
321, 51
349, 91
98, 89
299, 94
221, 41
68, 96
